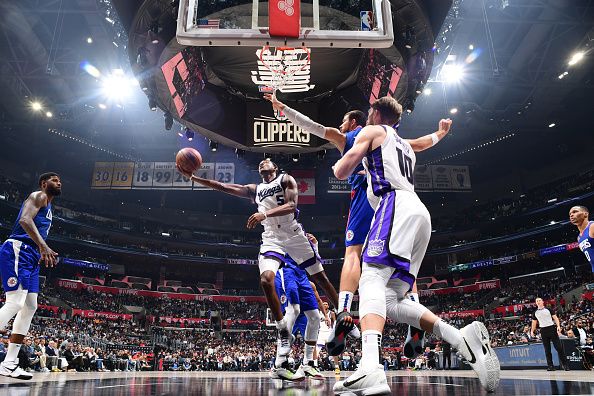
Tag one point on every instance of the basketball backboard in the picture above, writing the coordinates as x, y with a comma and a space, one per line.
364, 24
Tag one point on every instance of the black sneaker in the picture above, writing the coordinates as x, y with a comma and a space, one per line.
344, 325
550, 368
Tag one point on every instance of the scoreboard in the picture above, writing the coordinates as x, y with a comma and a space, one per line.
156, 175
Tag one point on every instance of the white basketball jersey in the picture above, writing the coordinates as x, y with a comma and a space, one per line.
269, 196
389, 167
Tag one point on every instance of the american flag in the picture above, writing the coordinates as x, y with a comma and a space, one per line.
208, 23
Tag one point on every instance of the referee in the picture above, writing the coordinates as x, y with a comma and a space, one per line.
550, 329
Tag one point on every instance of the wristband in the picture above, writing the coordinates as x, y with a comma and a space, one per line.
434, 139
265, 216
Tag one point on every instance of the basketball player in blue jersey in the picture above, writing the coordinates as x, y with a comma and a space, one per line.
277, 198
394, 250
298, 295
579, 217
20, 258
359, 221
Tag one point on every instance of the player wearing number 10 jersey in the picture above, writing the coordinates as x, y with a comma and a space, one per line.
579, 217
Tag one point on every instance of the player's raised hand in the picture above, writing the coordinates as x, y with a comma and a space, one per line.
276, 104
255, 219
445, 125
48, 256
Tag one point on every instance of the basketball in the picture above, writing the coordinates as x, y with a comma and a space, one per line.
188, 160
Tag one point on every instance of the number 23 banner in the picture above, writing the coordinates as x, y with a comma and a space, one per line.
155, 175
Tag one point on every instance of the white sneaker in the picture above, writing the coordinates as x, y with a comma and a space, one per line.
285, 372
364, 383
311, 371
12, 370
283, 343
476, 349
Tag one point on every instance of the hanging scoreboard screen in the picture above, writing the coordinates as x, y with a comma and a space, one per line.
156, 175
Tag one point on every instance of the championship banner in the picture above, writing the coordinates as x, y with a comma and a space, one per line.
156, 175
306, 184
336, 186
423, 178
485, 285
450, 178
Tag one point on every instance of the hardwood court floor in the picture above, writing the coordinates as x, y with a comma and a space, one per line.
455, 383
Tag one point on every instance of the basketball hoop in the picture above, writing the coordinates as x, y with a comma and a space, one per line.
283, 63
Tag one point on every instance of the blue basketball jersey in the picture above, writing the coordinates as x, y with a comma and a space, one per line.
587, 243
356, 180
43, 222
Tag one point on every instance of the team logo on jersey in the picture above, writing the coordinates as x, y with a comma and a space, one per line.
269, 192
283, 299
49, 215
375, 247
12, 281
350, 235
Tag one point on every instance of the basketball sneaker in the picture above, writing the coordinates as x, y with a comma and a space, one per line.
476, 349
343, 326
364, 383
12, 370
311, 371
287, 373
283, 343
415, 343
355, 333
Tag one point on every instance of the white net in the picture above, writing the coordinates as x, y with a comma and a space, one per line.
282, 67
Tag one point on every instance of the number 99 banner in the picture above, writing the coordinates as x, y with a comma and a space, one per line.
155, 175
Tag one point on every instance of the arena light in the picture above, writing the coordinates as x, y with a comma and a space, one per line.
453, 110
562, 75
576, 58
552, 125
452, 73
49, 114
190, 134
89, 40
295, 157
427, 91
213, 145
117, 86
471, 47
36, 106
90, 69
102, 106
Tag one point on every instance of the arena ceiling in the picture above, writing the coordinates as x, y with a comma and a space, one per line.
511, 87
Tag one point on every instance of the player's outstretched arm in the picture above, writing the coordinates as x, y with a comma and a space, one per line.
247, 191
345, 166
428, 141
332, 135
33, 204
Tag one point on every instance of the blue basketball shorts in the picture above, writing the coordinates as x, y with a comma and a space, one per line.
19, 266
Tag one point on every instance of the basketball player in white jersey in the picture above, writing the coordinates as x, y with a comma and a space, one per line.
277, 198
393, 253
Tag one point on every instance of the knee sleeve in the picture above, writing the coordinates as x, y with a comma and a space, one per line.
372, 290
15, 301
313, 325
22, 322
400, 308
268, 264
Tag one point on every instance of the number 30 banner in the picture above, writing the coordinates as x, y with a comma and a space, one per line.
155, 175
